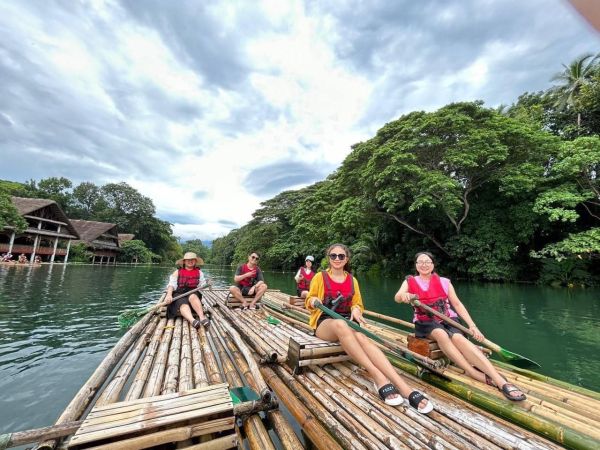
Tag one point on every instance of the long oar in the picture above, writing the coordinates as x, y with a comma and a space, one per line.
507, 355
398, 351
130, 316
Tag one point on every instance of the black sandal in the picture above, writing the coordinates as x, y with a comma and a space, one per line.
415, 398
388, 390
205, 322
196, 324
508, 388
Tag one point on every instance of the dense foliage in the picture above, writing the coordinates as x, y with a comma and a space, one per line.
497, 194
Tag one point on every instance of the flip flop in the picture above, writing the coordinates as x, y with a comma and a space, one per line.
507, 388
386, 391
415, 398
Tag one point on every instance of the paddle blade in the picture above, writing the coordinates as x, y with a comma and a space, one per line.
517, 360
130, 317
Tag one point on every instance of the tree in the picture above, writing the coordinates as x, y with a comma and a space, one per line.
9, 215
198, 247
573, 78
575, 174
87, 201
428, 163
136, 251
56, 189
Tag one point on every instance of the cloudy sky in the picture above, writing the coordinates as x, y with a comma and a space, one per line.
210, 108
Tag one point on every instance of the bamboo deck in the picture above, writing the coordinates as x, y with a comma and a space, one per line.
162, 368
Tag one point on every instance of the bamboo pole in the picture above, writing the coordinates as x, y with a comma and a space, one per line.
155, 379
257, 435
112, 391
251, 336
171, 379
210, 363
87, 392
200, 377
39, 434
244, 360
404, 323
221, 443
284, 431
305, 418
186, 375
137, 386
368, 430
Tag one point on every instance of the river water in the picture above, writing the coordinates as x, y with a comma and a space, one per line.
58, 322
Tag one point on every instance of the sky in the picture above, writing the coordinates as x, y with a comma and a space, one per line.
209, 108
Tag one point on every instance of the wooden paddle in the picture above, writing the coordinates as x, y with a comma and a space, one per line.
397, 350
507, 355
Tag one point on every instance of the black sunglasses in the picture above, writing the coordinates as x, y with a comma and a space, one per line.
254, 257
335, 256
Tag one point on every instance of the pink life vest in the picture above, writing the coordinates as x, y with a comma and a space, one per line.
304, 284
435, 297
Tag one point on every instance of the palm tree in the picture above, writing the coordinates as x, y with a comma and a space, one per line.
572, 79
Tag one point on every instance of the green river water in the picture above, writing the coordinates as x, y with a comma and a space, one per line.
57, 323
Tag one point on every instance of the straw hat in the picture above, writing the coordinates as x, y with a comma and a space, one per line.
190, 255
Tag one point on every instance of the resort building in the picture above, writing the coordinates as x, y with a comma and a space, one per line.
101, 238
48, 235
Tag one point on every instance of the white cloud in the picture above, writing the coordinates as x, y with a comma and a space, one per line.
183, 98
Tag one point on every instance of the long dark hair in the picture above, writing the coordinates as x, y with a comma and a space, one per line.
346, 250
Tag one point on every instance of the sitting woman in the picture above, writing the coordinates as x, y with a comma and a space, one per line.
438, 293
304, 276
339, 290
187, 277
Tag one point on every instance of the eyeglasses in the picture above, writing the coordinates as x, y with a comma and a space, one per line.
255, 257
335, 256
424, 263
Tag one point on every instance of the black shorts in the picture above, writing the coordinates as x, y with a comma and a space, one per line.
245, 290
323, 317
424, 327
173, 308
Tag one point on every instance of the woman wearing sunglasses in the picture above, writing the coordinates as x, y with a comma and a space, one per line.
249, 282
438, 293
339, 290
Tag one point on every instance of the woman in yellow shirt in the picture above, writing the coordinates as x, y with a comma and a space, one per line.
338, 289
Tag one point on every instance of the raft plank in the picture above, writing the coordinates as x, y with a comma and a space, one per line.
168, 436
193, 402
119, 419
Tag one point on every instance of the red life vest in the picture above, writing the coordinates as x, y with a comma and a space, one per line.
248, 281
304, 284
187, 279
334, 289
435, 297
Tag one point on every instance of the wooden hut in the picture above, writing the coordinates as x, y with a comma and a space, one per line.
48, 235
124, 237
101, 238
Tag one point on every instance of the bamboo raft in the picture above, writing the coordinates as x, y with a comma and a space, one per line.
167, 385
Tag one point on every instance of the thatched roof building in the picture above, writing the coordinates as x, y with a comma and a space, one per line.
48, 235
100, 237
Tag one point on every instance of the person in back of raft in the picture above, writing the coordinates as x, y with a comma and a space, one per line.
328, 286
187, 277
303, 277
438, 293
249, 282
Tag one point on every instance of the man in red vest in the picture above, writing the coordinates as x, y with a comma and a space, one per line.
249, 282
